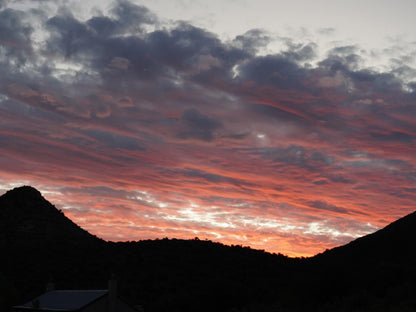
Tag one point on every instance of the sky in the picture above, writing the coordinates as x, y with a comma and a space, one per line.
288, 127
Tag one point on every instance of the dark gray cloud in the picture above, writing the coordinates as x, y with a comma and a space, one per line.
344, 50
252, 41
236, 136
99, 42
273, 70
180, 47
298, 156
320, 182
412, 85
346, 55
107, 45
322, 205
300, 52
335, 63
194, 125
114, 140
276, 113
394, 136
102, 26
15, 35
339, 178
69, 36
378, 82
131, 18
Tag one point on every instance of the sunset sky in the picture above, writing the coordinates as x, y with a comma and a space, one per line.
289, 127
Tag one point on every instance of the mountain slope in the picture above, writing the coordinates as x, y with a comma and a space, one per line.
395, 242
376, 272
42, 244
26, 216
38, 243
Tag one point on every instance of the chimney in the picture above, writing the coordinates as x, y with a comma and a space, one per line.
112, 294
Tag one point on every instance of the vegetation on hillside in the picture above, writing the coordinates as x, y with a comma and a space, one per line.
39, 244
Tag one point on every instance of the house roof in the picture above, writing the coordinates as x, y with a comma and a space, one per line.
64, 300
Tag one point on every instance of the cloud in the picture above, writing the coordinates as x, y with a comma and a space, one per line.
167, 124
325, 206
301, 52
272, 70
252, 41
130, 18
194, 125
297, 156
15, 35
210, 177
327, 31
114, 140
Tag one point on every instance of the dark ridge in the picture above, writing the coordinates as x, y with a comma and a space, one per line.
395, 241
375, 272
26, 191
30, 217
38, 243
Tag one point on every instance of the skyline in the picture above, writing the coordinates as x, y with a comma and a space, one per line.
139, 127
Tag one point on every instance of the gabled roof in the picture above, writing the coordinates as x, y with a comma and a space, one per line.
64, 300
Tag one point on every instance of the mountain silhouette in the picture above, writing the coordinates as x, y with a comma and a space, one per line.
26, 216
395, 242
376, 272
39, 244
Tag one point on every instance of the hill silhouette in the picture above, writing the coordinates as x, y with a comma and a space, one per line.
392, 243
26, 216
38, 243
376, 272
